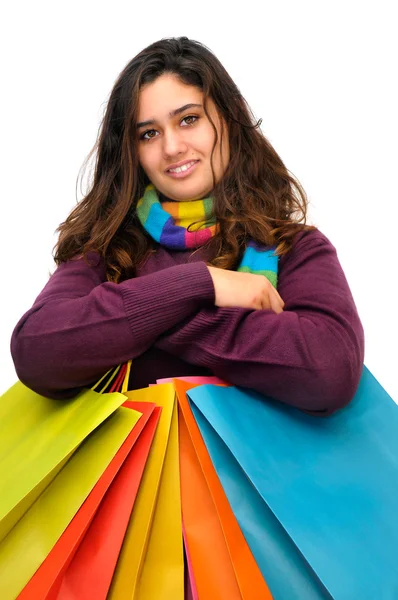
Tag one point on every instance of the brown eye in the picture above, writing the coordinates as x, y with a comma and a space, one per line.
142, 137
151, 137
190, 117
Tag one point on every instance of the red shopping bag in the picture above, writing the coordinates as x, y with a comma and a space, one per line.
92, 568
49, 575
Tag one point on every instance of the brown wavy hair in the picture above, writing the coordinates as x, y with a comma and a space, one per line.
257, 198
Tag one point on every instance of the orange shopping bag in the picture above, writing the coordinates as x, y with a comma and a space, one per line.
213, 570
222, 562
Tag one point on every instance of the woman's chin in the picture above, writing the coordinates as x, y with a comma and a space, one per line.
183, 195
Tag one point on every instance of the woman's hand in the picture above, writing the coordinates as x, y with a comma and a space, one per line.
245, 290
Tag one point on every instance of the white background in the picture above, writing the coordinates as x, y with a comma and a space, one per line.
321, 75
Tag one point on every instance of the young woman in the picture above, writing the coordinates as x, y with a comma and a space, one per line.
190, 253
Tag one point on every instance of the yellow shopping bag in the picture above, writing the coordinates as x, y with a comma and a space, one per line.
32, 538
151, 563
37, 436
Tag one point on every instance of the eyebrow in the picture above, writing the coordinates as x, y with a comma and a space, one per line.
172, 114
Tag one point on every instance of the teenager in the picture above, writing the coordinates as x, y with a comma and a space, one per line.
191, 254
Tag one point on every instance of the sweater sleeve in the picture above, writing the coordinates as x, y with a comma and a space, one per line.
80, 325
309, 356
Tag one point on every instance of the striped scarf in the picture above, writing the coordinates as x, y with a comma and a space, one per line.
167, 223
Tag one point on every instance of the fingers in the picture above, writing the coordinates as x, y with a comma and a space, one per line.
245, 290
272, 300
278, 300
276, 304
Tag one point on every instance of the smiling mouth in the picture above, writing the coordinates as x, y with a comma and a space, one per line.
184, 171
183, 168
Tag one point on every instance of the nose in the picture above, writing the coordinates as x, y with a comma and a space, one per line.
173, 143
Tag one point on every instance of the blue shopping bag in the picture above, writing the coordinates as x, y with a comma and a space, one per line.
315, 498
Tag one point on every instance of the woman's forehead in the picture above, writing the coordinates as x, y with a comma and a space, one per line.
162, 98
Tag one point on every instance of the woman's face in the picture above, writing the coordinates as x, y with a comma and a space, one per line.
172, 139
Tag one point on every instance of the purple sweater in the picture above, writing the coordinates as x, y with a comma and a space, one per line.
310, 356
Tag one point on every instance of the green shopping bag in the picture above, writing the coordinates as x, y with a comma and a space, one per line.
33, 537
37, 437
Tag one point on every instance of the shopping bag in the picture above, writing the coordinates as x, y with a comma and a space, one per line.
90, 573
34, 445
287, 573
191, 592
31, 539
162, 575
78, 534
324, 487
213, 570
151, 563
224, 562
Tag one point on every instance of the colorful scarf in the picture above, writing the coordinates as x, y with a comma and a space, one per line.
167, 223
